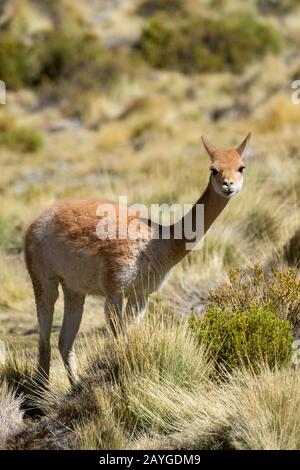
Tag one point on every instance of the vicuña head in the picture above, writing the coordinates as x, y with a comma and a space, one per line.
64, 246
227, 168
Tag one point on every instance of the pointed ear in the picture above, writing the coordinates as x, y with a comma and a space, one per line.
241, 149
209, 148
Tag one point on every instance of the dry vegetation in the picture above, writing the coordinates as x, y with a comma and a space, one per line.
119, 119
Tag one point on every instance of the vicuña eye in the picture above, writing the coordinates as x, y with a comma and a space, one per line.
241, 169
214, 171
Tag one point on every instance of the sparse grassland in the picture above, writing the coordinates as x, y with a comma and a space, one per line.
88, 116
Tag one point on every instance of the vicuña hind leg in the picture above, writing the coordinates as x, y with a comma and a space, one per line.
46, 293
73, 310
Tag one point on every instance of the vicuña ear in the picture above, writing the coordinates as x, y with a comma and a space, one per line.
241, 149
209, 148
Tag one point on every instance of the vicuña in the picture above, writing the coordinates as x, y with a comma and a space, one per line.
63, 247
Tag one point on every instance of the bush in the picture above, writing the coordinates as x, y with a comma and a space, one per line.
23, 139
54, 57
237, 338
13, 61
81, 58
280, 290
198, 44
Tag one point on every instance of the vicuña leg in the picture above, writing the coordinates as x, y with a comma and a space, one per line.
46, 293
73, 310
113, 312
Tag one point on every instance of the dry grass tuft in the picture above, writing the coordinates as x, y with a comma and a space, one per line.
250, 411
11, 415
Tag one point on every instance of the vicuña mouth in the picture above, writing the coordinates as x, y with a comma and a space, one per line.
228, 191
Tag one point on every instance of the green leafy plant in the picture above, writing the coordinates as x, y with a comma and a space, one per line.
237, 338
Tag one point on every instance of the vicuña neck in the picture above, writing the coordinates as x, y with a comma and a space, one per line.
179, 244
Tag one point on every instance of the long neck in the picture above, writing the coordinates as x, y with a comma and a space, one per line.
212, 204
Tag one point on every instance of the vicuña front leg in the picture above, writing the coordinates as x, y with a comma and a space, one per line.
73, 309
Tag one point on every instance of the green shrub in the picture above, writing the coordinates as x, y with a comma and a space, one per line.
13, 61
81, 58
280, 290
198, 44
23, 139
55, 57
237, 338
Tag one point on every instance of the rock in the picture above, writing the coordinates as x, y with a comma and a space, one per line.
63, 125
